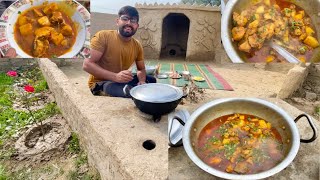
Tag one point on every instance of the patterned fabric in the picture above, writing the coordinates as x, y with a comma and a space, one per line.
212, 79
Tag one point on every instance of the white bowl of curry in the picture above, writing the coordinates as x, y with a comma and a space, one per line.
46, 29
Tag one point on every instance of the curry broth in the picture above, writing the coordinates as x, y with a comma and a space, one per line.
240, 144
26, 42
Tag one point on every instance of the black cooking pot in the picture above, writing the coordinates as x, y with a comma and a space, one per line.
155, 98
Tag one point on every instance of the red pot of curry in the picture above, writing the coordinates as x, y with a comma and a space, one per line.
242, 138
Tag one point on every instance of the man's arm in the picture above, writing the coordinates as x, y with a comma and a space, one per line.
141, 72
90, 65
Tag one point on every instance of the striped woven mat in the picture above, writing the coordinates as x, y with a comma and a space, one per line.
212, 79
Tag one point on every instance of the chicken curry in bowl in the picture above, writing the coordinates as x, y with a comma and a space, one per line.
45, 31
266, 20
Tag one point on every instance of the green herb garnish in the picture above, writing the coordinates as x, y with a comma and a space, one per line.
229, 150
222, 129
213, 140
253, 18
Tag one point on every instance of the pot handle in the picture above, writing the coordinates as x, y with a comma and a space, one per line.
313, 127
182, 123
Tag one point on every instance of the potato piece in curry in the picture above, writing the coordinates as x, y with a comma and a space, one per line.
45, 31
289, 24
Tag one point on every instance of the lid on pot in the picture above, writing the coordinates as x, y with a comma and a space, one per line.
156, 93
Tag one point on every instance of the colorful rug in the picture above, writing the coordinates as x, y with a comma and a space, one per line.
212, 79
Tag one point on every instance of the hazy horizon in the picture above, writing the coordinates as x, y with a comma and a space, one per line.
112, 7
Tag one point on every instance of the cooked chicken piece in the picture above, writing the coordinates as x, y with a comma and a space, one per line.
255, 41
44, 32
280, 23
307, 21
280, 27
277, 7
239, 19
26, 29
266, 31
245, 46
23, 20
268, 16
56, 38
292, 6
57, 17
303, 36
65, 43
37, 12
44, 21
241, 167
40, 47
67, 30
244, 13
238, 33
49, 9
297, 32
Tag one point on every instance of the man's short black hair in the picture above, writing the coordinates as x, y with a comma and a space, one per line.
129, 10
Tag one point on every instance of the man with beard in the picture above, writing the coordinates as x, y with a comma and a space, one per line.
113, 52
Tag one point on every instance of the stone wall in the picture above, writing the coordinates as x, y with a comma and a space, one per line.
311, 86
203, 39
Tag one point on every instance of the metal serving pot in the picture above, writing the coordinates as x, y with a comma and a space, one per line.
257, 107
311, 7
156, 98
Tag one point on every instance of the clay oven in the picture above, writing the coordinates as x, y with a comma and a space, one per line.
180, 31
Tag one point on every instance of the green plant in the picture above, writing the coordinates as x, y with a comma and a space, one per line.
5, 154
317, 110
81, 159
5, 79
74, 145
3, 174
11, 121
41, 86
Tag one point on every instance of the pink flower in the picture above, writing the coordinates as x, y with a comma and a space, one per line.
29, 88
12, 73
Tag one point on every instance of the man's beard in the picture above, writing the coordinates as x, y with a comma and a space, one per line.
126, 33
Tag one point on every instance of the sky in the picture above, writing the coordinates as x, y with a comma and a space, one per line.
113, 6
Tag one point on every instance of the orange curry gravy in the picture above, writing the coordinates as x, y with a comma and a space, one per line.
240, 144
27, 42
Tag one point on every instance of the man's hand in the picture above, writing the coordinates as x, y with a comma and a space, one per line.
124, 76
142, 77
